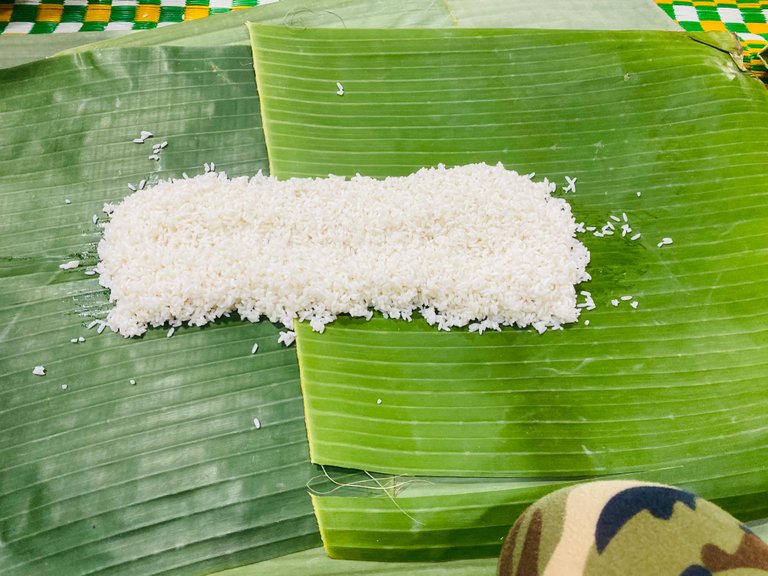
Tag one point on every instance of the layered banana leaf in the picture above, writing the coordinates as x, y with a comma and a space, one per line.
397, 518
170, 474
661, 127
229, 29
316, 563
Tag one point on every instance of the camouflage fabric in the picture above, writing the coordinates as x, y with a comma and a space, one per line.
628, 528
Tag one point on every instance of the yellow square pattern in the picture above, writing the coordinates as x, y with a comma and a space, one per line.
713, 26
49, 13
147, 13
6, 10
97, 13
195, 12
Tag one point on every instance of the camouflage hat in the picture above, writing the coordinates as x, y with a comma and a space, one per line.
629, 528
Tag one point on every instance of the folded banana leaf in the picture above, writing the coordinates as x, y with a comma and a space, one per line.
420, 519
658, 126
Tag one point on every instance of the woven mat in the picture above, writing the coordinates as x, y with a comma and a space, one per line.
43, 16
748, 20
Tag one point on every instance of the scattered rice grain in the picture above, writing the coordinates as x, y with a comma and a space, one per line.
570, 185
287, 338
71, 265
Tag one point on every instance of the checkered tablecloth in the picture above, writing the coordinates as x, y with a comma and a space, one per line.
749, 20
42, 16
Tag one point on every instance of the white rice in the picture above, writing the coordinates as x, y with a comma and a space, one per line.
71, 265
470, 244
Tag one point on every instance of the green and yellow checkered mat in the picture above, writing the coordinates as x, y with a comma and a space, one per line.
748, 20
43, 16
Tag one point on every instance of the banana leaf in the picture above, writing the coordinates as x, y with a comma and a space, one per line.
315, 562
420, 519
661, 126
229, 29
106, 476
17, 49
132, 456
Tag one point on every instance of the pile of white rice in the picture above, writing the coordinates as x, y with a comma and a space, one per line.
474, 245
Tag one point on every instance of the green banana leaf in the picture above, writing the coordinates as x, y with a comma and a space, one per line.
672, 391
17, 49
315, 562
229, 29
170, 474
421, 519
